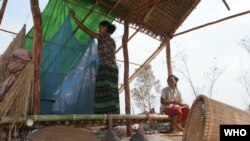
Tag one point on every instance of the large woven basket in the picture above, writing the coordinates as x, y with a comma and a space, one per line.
205, 117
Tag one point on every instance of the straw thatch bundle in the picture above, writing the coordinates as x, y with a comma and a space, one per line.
206, 116
18, 98
16, 78
18, 42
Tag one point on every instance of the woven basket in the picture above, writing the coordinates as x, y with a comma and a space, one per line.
206, 116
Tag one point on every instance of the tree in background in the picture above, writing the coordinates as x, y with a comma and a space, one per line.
146, 90
211, 76
245, 73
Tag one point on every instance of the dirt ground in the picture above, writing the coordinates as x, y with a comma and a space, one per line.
158, 137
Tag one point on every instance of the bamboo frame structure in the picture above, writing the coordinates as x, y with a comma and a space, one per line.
2, 10
37, 45
101, 119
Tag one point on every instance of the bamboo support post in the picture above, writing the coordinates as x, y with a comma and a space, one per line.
137, 72
126, 74
37, 45
168, 57
3, 10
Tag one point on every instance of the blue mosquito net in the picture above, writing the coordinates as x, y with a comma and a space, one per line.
68, 73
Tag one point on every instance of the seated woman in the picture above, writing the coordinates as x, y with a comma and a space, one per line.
171, 104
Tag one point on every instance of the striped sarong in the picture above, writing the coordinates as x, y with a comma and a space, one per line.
106, 92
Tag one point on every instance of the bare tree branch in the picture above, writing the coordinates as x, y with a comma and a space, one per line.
146, 89
245, 77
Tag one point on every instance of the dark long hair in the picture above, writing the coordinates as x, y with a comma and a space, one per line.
110, 27
175, 78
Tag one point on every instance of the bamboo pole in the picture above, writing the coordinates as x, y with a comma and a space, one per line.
90, 117
126, 74
168, 57
37, 45
211, 23
3, 10
137, 72
128, 62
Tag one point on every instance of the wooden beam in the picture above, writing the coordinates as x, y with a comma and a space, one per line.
4, 4
8, 31
37, 45
137, 72
128, 40
211, 23
195, 2
126, 74
150, 3
147, 17
87, 15
168, 57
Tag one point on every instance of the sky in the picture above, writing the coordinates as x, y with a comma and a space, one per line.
220, 41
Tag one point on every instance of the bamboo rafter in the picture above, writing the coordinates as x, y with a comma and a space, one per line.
227, 6
211, 23
128, 40
148, 4
2, 10
137, 72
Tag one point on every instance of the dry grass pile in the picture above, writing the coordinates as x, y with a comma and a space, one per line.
5, 58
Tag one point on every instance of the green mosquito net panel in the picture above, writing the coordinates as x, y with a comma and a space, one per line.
69, 57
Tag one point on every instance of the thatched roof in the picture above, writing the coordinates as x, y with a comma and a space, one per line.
157, 18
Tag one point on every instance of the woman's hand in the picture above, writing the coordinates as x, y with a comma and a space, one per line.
184, 105
72, 12
181, 104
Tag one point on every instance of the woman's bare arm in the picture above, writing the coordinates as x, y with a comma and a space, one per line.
82, 26
165, 102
